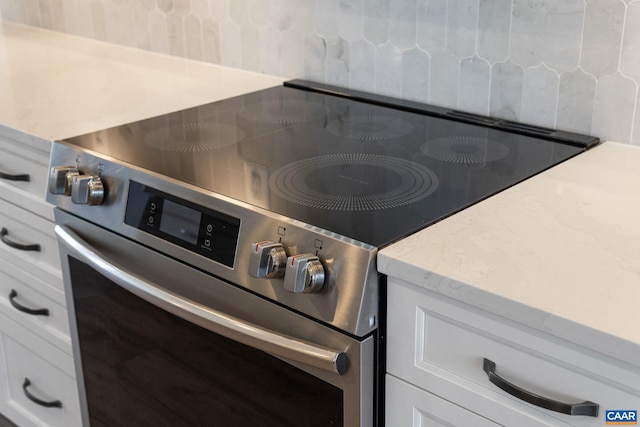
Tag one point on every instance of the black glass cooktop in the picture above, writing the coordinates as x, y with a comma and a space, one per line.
370, 168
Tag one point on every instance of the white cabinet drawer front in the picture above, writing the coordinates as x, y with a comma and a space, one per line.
409, 406
35, 403
25, 229
20, 301
18, 160
447, 343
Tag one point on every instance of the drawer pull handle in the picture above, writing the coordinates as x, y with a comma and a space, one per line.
3, 236
585, 408
31, 397
18, 177
34, 311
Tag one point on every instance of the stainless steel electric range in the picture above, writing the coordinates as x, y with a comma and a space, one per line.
220, 262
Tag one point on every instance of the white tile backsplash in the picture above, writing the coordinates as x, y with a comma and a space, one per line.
431, 25
361, 70
570, 64
563, 35
602, 36
415, 74
541, 83
494, 22
614, 106
575, 100
400, 17
474, 85
630, 57
505, 96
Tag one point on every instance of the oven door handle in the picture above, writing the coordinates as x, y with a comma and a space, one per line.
271, 342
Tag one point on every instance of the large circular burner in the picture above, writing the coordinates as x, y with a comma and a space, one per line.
371, 127
283, 111
353, 182
193, 136
465, 149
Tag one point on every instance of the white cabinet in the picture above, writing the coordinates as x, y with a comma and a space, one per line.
36, 362
30, 157
439, 346
38, 384
21, 231
408, 405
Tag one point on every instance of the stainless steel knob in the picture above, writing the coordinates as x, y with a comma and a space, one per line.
60, 179
304, 274
267, 260
87, 190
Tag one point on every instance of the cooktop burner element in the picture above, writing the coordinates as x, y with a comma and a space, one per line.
283, 111
465, 149
370, 127
193, 136
365, 167
353, 182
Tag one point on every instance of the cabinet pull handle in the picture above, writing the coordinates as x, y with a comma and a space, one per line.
34, 311
18, 177
31, 397
3, 236
585, 408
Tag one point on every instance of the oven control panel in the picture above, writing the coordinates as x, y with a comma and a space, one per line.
313, 271
201, 230
303, 273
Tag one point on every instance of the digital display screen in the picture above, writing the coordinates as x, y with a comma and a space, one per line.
180, 222
199, 229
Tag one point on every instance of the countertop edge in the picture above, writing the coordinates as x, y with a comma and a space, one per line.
523, 314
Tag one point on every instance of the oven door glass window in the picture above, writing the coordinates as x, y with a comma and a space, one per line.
143, 366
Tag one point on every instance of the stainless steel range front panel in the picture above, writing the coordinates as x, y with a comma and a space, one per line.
349, 297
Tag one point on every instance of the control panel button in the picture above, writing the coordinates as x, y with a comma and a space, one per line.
267, 260
152, 212
304, 274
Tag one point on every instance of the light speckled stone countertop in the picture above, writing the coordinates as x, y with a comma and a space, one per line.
559, 252
56, 86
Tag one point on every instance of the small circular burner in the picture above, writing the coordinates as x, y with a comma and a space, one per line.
465, 149
193, 136
353, 182
372, 127
283, 111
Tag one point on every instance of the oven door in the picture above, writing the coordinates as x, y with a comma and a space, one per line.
159, 343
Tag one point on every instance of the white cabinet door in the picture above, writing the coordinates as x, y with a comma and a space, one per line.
22, 299
22, 230
23, 175
409, 406
440, 345
35, 390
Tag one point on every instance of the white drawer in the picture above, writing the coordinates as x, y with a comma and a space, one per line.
409, 406
25, 228
46, 369
18, 159
21, 294
439, 345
